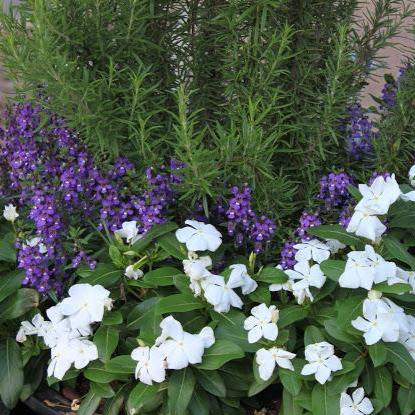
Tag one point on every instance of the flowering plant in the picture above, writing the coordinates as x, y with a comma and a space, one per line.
168, 324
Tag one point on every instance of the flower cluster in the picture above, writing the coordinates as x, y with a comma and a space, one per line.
173, 349
307, 221
56, 177
69, 325
376, 200
217, 291
359, 132
243, 222
334, 189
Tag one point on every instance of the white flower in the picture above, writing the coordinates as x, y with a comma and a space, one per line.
129, 232
199, 236
301, 294
240, 273
286, 286
36, 241
312, 250
84, 352
151, 365
196, 269
85, 304
262, 323
267, 359
220, 293
379, 196
365, 223
181, 348
411, 175
378, 322
10, 213
28, 328
334, 245
62, 358
306, 276
408, 338
408, 197
132, 273
356, 404
322, 361
364, 268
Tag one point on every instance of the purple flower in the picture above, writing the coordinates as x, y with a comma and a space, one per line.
307, 220
333, 189
288, 255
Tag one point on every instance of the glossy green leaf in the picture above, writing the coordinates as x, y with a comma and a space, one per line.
383, 386
162, 276
89, 404
104, 274
140, 395
10, 282
272, 275
106, 340
103, 390
180, 390
221, 352
178, 303
211, 382
155, 232
336, 232
333, 269
19, 303
398, 251
121, 364
378, 353
291, 314
173, 247
313, 335
406, 400
323, 402
402, 360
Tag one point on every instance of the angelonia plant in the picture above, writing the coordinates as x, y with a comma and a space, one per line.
158, 328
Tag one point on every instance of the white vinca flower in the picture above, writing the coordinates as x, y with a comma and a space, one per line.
262, 323
365, 268
220, 293
240, 278
378, 322
181, 348
151, 364
364, 223
408, 338
268, 359
133, 274
305, 276
36, 241
62, 358
322, 361
10, 213
379, 196
334, 245
28, 328
410, 197
129, 232
357, 404
411, 175
84, 352
199, 236
86, 304
312, 250
196, 269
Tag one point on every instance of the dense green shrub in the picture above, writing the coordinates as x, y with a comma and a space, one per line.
263, 83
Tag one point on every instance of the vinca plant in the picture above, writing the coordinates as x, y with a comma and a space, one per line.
170, 322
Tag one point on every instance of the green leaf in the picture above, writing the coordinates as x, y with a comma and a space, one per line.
221, 352
106, 340
102, 390
117, 257
181, 386
10, 282
104, 274
89, 404
258, 385
19, 303
333, 269
199, 404
406, 400
313, 335
402, 360
339, 333
399, 288
113, 406
289, 405
144, 316
96, 372
336, 232
405, 218
178, 303
354, 191
140, 395
377, 353
323, 402
11, 373
172, 246
113, 318
261, 295
162, 276
349, 308
121, 364
231, 327
291, 314
383, 386
211, 382
398, 251
7, 248
272, 275
290, 380
340, 383
155, 232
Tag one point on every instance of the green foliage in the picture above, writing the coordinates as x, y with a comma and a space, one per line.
242, 91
